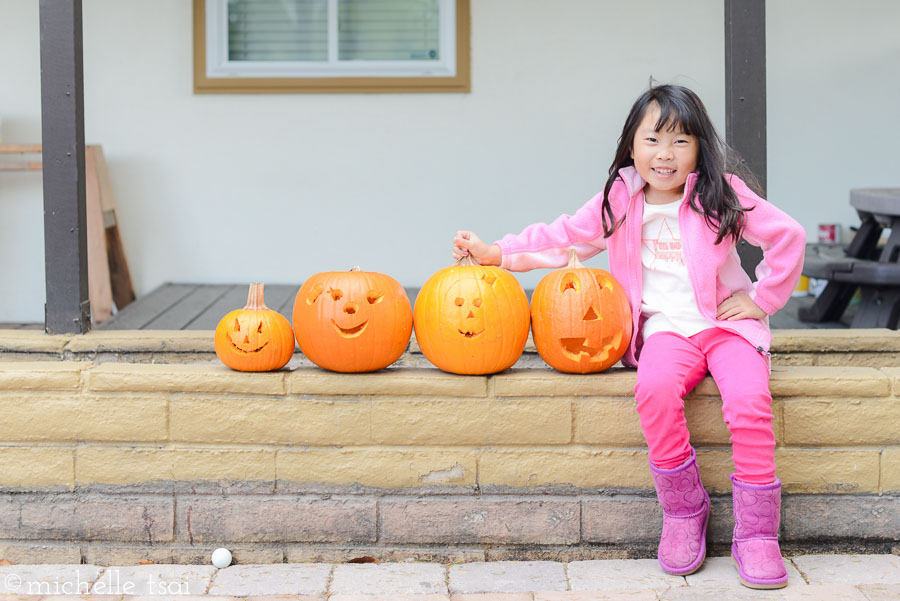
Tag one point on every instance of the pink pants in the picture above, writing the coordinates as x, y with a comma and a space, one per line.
671, 365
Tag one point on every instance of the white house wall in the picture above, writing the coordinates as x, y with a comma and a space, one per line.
273, 188
833, 82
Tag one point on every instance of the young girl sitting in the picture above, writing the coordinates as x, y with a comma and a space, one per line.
671, 216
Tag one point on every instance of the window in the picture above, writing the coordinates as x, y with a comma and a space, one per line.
271, 46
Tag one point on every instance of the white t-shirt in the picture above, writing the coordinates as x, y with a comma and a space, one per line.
668, 301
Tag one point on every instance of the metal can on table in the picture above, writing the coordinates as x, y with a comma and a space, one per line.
829, 233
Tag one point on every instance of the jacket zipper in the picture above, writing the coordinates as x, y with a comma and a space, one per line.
629, 263
688, 264
768, 357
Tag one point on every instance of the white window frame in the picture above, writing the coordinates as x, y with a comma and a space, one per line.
218, 64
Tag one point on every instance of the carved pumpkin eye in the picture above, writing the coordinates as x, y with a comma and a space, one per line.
604, 283
336, 294
237, 325
459, 301
570, 282
374, 296
259, 329
477, 302
315, 293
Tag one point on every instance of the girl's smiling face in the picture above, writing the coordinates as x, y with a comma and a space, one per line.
663, 157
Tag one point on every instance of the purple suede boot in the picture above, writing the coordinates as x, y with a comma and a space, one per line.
685, 504
757, 513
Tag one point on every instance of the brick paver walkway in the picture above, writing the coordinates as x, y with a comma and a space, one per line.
812, 577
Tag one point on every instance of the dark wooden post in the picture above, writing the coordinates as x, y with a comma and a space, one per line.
62, 121
745, 95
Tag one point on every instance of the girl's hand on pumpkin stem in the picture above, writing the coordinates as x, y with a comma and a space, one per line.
739, 306
467, 243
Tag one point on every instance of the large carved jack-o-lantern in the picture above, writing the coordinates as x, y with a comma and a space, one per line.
254, 338
352, 321
580, 319
471, 319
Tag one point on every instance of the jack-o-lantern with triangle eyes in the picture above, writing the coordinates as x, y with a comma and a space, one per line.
352, 321
580, 319
472, 319
254, 338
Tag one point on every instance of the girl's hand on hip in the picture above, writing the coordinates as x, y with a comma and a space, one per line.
467, 243
739, 306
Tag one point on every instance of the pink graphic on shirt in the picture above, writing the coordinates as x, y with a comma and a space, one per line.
665, 247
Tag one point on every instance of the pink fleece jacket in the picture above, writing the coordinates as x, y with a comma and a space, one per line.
715, 269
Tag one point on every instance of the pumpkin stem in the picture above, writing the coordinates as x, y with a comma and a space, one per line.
574, 263
255, 300
467, 261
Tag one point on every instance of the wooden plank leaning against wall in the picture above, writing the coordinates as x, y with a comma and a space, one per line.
108, 277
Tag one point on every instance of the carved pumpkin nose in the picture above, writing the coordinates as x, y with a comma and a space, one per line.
350, 308
471, 315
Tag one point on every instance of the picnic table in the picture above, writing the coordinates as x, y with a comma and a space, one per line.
864, 264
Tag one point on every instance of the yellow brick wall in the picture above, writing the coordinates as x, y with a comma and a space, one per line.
68, 424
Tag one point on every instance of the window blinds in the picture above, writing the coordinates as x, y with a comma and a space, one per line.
367, 30
278, 30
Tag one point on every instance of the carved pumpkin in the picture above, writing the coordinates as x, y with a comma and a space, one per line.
580, 319
472, 319
352, 321
254, 338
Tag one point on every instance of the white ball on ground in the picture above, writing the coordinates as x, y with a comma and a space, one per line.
221, 557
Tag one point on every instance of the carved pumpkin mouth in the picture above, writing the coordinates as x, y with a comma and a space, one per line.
350, 332
248, 352
469, 334
575, 348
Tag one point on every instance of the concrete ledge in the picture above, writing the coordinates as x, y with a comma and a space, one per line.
860, 347
106, 455
825, 382
617, 381
122, 529
454, 520
34, 416
391, 381
32, 341
377, 470
141, 341
784, 381
264, 519
215, 378
890, 469
115, 465
73, 517
824, 422
826, 340
118, 424
894, 374
40, 375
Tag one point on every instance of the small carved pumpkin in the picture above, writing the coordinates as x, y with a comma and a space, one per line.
580, 318
352, 321
472, 319
254, 338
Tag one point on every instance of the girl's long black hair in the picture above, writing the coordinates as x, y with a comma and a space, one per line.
712, 196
